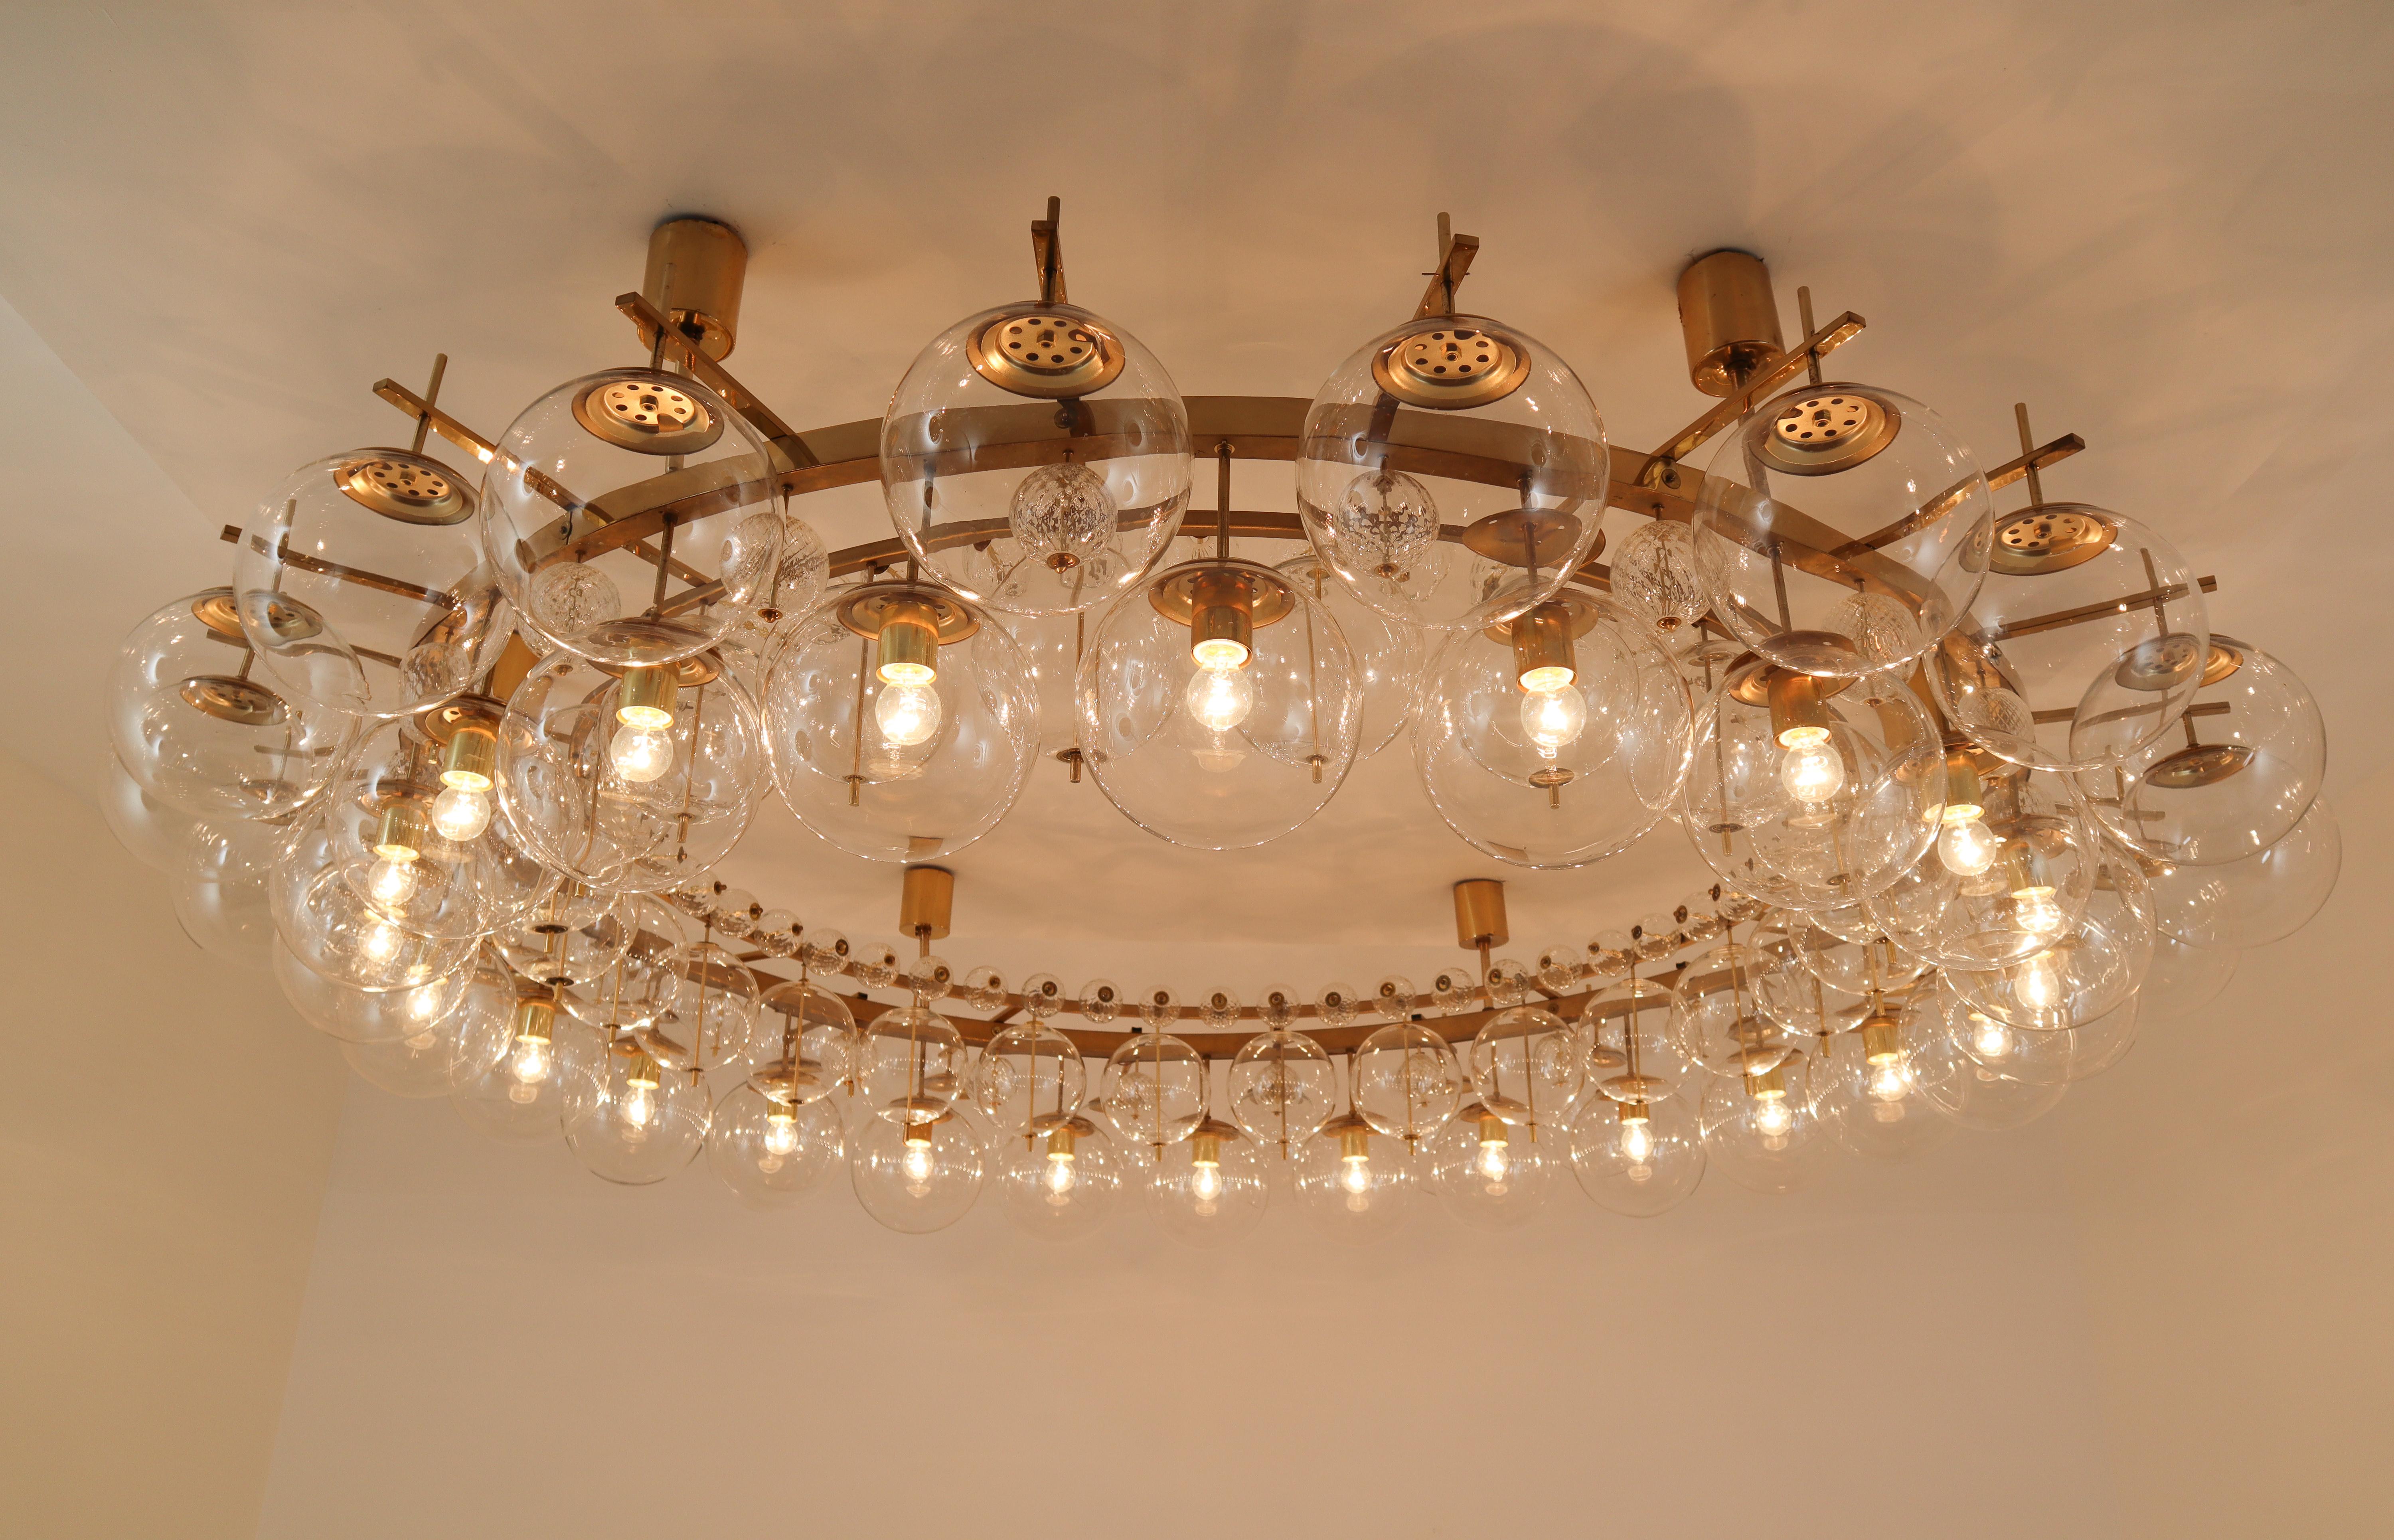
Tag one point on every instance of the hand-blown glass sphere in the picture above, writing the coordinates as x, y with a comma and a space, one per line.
463, 1044
2012, 869
2263, 898
1639, 1158
773, 1152
1060, 1179
1654, 579
630, 517
1869, 1091
1208, 1188
916, 1177
1452, 421
635, 1121
362, 584
1493, 1176
196, 732
1390, 654
1219, 704
1156, 1089
2089, 965
903, 722
1848, 500
1052, 425
1283, 1087
1407, 1083
1761, 1131
222, 885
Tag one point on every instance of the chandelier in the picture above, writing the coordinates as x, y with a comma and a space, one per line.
459, 752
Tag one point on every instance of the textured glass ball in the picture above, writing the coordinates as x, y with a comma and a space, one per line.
1062, 1179
1047, 423
196, 730
769, 1152
1390, 654
890, 784
1357, 1184
2107, 685
1640, 1159
2259, 899
1217, 755
1825, 842
1452, 421
362, 584
1562, 791
1761, 1131
2241, 775
916, 1177
1529, 1068
625, 804
2031, 877
1863, 495
1282, 1088
1492, 1176
635, 1122
1407, 1083
588, 486
1156, 1089
1206, 1191
1654, 579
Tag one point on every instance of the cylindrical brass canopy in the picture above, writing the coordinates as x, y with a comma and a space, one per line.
471, 757
907, 648
1479, 913
535, 1020
1542, 648
709, 263
1797, 701
1879, 1044
1221, 619
1729, 319
927, 901
646, 700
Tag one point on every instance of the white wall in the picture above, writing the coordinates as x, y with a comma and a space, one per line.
163, 1156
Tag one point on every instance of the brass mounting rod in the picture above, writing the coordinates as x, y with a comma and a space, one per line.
1454, 255
1047, 251
1759, 386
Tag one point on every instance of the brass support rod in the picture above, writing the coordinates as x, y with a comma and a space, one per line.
686, 352
431, 394
2084, 612
1454, 255
1047, 252
2030, 462
2028, 453
397, 586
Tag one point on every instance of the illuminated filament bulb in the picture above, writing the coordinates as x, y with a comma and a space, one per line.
640, 1096
1493, 1163
2034, 911
462, 809
2038, 984
1636, 1140
1965, 845
780, 1132
1552, 720
1060, 1178
1355, 1166
529, 1060
1989, 1037
1810, 770
1553, 711
907, 662
1205, 1170
916, 1164
642, 749
1221, 643
393, 877
1773, 1118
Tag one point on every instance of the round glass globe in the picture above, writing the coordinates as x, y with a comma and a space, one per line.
1156, 1089
1851, 500
1634, 1055
1873, 1098
1234, 751
1813, 823
1529, 1068
546, 1071
571, 939
2246, 770
771, 1154
1761, 1131
1875, 966
1357, 1183
2091, 968
1053, 425
326, 921
197, 732
1717, 1020
2261, 899
1051, 653
1557, 777
1381, 469
462, 1045
352, 1015
912, 1065
1654, 579
1494, 1177
1792, 997
2076, 697
1960, 1068
2041, 1059
1406, 1081
639, 987
1058, 1180
221, 887
637, 1121
1282, 1088
2028, 876
151, 829
804, 1041
1208, 1189
1028, 1076
630, 784
891, 770
603, 475
711, 1021
1390, 654
2182, 978
918, 1177
1637, 1158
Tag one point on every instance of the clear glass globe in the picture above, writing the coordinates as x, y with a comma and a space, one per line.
1960, 1066
773, 1152
1529, 1068
1637, 1158
639, 987
2241, 775
1821, 492
1871, 1094
1461, 421
151, 829
1028, 1076
912, 1064
1407, 1083
713, 1018
363, 587
1282, 1088
2182, 978
2108, 686
353, 1015
1053, 425
1654, 579
1761, 1131
221, 887
548, 1070
463, 1044
1718, 1015
2041, 1059
634, 1120
197, 732
1835, 838
2093, 965
1875, 966
627, 805
1561, 776
1051, 647
2261, 899
1493, 1176
2041, 863
596, 478
1390, 654
803, 1043
1634, 1055
1356, 1183
326, 919
1237, 749
1062, 1179
1791, 997
571, 939
1208, 1189
894, 779
1156, 1089
916, 1177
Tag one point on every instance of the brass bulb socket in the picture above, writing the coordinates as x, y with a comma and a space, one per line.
918, 1133
1204, 1148
1962, 786
1631, 1111
471, 758
1354, 1143
1542, 648
1060, 1141
1491, 1130
642, 1072
400, 836
1879, 1040
534, 1020
647, 698
1770, 1082
906, 650
1797, 701
1221, 617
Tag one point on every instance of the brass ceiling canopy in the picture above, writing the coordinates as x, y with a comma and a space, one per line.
1450, 362
696, 269
1729, 319
1039, 353
407, 488
648, 416
2052, 537
1826, 432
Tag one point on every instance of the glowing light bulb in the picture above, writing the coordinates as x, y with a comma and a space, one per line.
1495, 1162
915, 1163
529, 1064
2038, 986
381, 943
1553, 718
1989, 1037
424, 1002
781, 1133
391, 881
1059, 1177
1811, 771
639, 1107
1967, 845
1636, 1145
907, 713
1220, 698
1773, 1119
1888, 1082
2034, 911
1205, 1182
461, 812
1355, 1175
639, 754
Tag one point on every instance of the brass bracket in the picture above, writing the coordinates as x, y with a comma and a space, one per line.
1047, 253
652, 324
1454, 255
1769, 377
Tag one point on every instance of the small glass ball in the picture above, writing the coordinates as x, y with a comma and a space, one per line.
1060, 1179
1852, 968
983, 989
1654, 579
1159, 1009
777, 931
1374, 497
1042, 996
824, 949
735, 911
1804, 476
1208, 1189
1282, 1088
352, 1015
1494, 1177
1560, 967
1156, 1089
197, 732
1454, 990
1338, 1004
1219, 1009
1356, 1183
803, 1043
771, 1154
1761, 1131
1390, 654
1406, 1081
916, 1177
2261, 899
1394, 998
1027, 1077
1529, 1068
930, 980
428, 623
1101, 1002
914, 1065
1637, 1158
581, 485
1507, 983
641, 1122
1610, 953
1279, 1007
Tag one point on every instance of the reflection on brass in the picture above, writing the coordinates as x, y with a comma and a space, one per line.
2159, 664
1174, 595
649, 415
402, 487
1750, 678
1729, 319
1046, 355
1528, 538
1452, 364
2052, 538
1825, 431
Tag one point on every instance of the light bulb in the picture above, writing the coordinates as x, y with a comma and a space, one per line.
1967, 845
1059, 1177
461, 812
1888, 1082
907, 713
529, 1063
1495, 1162
915, 1163
2038, 986
1355, 1176
1811, 771
1206, 1183
640, 754
1552, 719
1220, 698
2034, 911
424, 1002
1990, 1037
382, 942
1773, 1118
1636, 1145
640, 1107
391, 880
781, 1133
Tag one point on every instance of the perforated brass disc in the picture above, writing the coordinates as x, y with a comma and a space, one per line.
2200, 765
2159, 664
1173, 599
1045, 355
2050, 539
407, 488
648, 416
1635, 1088
229, 700
864, 608
288, 619
1447, 367
1579, 611
1826, 432
1518, 536
1749, 677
